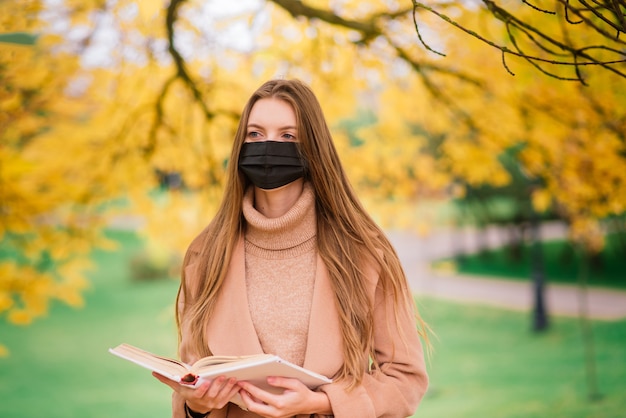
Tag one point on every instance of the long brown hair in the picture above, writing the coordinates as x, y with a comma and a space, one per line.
346, 235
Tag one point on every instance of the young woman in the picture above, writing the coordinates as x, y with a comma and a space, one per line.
293, 265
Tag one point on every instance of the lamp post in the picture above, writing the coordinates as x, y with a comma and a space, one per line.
540, 317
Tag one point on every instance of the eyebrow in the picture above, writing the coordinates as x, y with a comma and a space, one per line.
288, 127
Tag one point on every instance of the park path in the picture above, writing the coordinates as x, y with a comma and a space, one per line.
416, 252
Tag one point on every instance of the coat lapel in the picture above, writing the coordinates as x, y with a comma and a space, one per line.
231, 331
324, 352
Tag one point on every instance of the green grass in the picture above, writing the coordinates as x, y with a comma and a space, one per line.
59, 366
561, 264
486, 362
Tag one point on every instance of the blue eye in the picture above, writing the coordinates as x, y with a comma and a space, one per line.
289, 137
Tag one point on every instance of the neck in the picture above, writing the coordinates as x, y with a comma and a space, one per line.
276, 202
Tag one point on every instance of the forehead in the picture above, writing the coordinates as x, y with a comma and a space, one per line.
272, 111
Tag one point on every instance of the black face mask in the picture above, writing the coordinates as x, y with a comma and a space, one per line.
271, 164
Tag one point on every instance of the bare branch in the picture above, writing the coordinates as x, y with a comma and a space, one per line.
578, 56
619, 14
597, 13
534, 64
526, 2
420, 67
419, 35
567, 12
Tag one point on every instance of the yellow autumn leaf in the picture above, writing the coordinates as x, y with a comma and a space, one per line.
6, 301
19, 317
541, 199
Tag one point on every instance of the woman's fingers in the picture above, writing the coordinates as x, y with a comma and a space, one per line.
222, 388
292, 399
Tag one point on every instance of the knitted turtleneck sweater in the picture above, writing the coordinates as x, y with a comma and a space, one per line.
280, 273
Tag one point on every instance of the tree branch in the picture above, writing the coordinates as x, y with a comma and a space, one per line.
158, 117
578, 56
367, 28
181, 69
580, 13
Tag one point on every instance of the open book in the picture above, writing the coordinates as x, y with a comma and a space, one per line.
254, 368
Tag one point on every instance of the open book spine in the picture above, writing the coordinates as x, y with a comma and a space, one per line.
189, 379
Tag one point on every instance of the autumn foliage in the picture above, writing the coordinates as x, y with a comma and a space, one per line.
125, 111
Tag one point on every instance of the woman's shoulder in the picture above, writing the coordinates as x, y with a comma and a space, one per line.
205, 239
190, 263
197, 243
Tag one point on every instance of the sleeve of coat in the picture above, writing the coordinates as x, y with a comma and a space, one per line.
396, 389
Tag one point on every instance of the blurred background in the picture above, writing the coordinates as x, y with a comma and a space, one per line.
488, 139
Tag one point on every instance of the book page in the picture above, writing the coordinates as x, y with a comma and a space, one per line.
206, 362
168, 367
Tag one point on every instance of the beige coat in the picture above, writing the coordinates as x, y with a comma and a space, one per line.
395, 391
